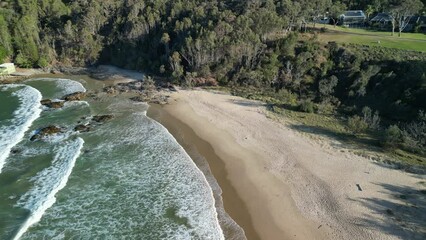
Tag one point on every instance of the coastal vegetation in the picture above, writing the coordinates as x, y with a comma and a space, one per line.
260, 49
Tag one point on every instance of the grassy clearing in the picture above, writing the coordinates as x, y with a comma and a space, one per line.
376, 41
417, 36
408, 41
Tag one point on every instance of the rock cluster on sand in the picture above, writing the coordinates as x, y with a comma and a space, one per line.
155, 99
46, 131
146, 93
52, 104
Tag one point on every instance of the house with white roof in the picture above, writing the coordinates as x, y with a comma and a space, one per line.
353, 18
7, 68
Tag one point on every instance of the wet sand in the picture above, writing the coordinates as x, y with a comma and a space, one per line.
200, 151
235, 179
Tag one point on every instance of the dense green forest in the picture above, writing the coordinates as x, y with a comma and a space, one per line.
251, 44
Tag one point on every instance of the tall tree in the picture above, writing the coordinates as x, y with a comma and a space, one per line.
401, 13
335, 11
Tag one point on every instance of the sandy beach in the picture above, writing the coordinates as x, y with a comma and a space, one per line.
278, 183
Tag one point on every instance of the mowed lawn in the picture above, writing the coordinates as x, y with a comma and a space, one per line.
408, 41
419, 36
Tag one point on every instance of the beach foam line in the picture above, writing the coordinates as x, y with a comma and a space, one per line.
48, 182
23, 117
220, 235
65, 86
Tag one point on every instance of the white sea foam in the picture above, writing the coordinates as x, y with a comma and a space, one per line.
28, 110
189, 193
65, 86
75, 103
138, 184
48, 182
32, 152
187, 213
58, 137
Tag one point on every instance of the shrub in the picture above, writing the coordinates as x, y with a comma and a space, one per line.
42, 62
287, 97
356, 124
148, 83
393, 136
22, 61
373, 121
203, 81
3, 53
326, 86
414, 134
306, 106
326, 108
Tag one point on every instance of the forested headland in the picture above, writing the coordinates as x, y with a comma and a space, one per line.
255, 47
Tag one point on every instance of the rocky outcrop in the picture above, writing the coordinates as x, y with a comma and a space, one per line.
203, 81
140, 98
155, 99
160, 99
77, 96
52, 104
82, 128
102, 118
46, 131
168, 86
16, 151
110, 90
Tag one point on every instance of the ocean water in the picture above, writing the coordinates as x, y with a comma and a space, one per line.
128, 178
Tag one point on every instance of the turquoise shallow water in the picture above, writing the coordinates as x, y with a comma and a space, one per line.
126, 179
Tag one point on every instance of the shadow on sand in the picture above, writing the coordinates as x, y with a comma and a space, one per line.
247, 103
346, 140
404, 212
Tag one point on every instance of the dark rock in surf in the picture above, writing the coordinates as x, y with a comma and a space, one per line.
52, 104
45, 101
77, 96
46, 131
16, 150
102, 118
82, 128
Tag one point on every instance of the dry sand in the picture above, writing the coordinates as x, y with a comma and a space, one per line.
279, 184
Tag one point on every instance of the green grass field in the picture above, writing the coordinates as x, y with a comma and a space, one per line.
419, 36
408, 41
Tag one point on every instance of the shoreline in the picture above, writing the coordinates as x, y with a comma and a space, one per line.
197, 148
293, 187
243, 199
279, 183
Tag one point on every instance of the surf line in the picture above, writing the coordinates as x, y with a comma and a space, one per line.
23, 117
42, 195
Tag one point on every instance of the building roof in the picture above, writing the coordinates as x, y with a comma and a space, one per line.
418, 19
381, 17
6, 65
353, 14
